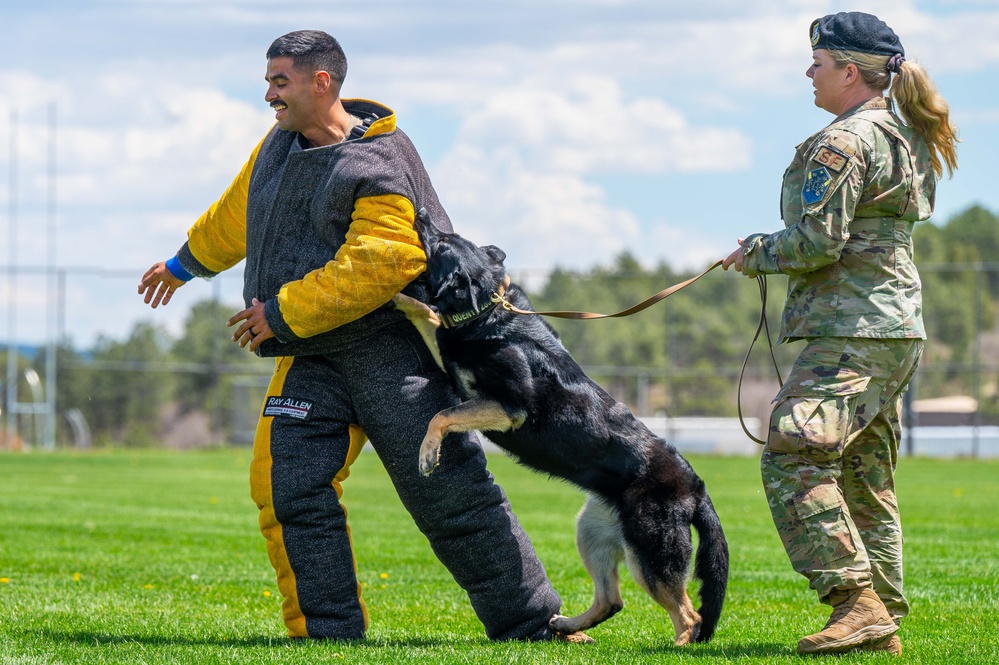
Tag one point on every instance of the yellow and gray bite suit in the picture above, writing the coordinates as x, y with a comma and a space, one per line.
328, 238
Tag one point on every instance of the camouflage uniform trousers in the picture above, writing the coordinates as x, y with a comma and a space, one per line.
829, 463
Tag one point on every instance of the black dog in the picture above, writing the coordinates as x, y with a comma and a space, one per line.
526, 393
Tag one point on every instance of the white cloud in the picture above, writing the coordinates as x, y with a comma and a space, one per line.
584, 125
517, 175
539, 218
131, 167
549, 102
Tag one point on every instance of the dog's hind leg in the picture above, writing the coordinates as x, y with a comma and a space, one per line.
671, 594
476, 414
424, 319
601, 546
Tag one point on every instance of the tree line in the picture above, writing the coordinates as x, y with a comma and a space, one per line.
694, 343
681, 357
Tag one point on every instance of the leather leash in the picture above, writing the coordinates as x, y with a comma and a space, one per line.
645, 304
762, 326
761, 280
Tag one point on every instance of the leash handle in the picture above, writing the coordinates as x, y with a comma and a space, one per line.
634, 309
761, 280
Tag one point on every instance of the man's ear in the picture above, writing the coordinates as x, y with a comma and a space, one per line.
322, 81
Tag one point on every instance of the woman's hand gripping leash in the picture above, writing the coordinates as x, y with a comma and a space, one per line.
735, 260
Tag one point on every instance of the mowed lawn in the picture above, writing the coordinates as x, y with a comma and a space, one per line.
154, 557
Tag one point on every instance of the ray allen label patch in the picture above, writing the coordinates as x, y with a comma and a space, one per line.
288, 407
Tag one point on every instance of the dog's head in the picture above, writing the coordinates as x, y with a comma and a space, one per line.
462, 276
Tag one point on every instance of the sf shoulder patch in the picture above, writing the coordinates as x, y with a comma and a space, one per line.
816, 183
831, 158
289, 407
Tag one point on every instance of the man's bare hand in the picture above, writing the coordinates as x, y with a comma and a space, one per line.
159, 285
254, 328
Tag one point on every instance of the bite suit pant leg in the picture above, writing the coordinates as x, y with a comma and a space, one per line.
390, 386
302, 453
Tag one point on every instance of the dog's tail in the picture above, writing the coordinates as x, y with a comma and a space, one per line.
710, 565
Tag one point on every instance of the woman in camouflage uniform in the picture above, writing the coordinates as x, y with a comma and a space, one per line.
849, 201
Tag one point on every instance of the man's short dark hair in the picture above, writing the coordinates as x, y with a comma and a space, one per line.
312, 50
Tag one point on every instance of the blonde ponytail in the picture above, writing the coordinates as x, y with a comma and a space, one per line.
926, 111
922, 107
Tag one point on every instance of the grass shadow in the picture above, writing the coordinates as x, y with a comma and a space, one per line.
726, 651
105, 639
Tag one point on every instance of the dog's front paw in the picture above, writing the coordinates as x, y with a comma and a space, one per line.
430, 455
564, 631
559, 623
562, 624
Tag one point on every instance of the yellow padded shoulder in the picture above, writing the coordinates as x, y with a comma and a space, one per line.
381, 255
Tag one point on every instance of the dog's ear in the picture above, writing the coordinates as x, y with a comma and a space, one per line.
495, 253
425, 229
422, 221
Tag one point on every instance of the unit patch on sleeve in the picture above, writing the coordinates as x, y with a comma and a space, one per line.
288, 407
816, 183
830, 157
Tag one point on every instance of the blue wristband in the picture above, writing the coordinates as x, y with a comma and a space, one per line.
177, 270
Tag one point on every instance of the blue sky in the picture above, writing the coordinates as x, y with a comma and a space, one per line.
564, 131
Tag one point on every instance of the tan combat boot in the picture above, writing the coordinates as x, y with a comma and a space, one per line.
857, 621
892, 645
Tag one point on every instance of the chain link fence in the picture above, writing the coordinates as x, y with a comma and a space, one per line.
951, 408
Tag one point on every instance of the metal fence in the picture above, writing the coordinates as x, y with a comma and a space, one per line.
32, 417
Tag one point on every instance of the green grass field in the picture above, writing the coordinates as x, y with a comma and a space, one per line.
155, 557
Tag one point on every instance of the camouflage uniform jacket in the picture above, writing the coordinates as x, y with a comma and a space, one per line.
849, 200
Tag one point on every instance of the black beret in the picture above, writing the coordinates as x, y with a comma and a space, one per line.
854, 31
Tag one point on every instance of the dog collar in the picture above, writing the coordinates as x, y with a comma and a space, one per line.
461, 318
469, 315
